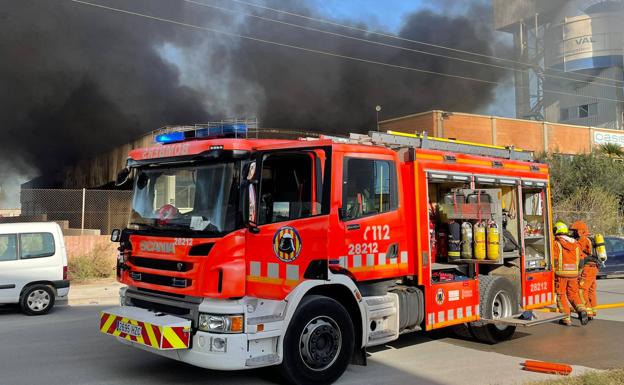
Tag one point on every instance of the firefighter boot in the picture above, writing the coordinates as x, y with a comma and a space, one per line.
567, 321
582, 314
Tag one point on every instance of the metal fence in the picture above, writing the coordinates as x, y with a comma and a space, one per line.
102, 210
612, 225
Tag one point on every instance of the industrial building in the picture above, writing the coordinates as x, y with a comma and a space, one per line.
568, 59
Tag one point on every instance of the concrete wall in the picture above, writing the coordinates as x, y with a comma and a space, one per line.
524, 134
81, 245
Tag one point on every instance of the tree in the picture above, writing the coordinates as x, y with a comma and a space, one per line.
597, 207
574, 180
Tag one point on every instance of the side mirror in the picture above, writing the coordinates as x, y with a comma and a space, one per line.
116, 235
122, 177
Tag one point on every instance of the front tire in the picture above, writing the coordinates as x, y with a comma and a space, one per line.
318, 343
37, 300
498, 299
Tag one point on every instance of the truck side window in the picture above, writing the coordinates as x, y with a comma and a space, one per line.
36, 245
286, 188
8, 247
369, 187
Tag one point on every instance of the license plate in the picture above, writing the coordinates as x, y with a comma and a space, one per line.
141, 326
129, 329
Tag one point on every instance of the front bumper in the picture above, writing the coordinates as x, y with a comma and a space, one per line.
231, 356
219, 351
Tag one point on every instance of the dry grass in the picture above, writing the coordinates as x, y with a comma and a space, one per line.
94, 265
609, 377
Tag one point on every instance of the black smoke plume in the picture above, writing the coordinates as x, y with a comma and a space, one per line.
77, 80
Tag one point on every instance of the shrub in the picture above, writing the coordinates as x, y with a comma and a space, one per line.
597, 207
96, 264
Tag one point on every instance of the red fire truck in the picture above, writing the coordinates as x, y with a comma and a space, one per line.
242, 253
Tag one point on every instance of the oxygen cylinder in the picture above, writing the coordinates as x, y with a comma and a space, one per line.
466, 240
493, 241
479, 241
599, 247
454, 240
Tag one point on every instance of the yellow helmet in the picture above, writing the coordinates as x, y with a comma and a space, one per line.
561, 228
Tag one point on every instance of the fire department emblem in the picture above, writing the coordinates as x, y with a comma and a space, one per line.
286, 244
439, 298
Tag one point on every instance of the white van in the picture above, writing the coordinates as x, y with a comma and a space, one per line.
33, 266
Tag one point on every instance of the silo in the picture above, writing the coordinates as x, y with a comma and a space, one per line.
573, 53
583, 54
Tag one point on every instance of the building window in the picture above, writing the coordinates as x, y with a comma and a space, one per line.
586, 110
564, 114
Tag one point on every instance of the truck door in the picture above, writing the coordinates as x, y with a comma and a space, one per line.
372, 241
538, 277
289, 242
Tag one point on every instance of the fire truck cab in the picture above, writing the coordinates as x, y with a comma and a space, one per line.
242, 253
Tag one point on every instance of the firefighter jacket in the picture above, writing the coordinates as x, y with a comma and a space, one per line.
567, 255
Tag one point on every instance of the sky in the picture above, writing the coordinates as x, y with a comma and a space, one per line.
387, 14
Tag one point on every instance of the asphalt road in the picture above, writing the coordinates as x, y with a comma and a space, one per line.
65, 348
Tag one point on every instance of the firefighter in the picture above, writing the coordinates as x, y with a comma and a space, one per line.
587, 281
567, 255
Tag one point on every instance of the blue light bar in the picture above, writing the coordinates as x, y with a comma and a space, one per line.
170, 137
222, 131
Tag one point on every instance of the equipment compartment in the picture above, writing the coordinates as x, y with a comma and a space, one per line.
466, 224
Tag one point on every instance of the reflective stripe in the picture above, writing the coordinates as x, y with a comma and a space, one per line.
157, 337
567, 270
357, 261
450, 317
274, 274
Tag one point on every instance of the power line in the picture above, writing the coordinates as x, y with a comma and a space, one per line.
331, 54
391, 36
268, 19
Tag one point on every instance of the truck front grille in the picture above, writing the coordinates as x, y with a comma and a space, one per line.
181, 306
161, 264
161, 280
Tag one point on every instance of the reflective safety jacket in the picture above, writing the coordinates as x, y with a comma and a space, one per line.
567, 255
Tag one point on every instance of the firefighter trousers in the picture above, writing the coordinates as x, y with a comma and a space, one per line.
587, 287
567, 290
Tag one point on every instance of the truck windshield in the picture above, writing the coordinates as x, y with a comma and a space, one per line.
198, 198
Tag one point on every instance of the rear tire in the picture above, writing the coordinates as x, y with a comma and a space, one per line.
498, 299
37, 299
318, 343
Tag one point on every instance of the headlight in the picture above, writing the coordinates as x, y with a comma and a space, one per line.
218, 323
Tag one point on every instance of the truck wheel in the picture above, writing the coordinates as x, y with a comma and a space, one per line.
37, 300
498, 299
318, 343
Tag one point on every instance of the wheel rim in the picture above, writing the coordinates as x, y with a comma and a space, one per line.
38, 300
501, 308
320, 343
